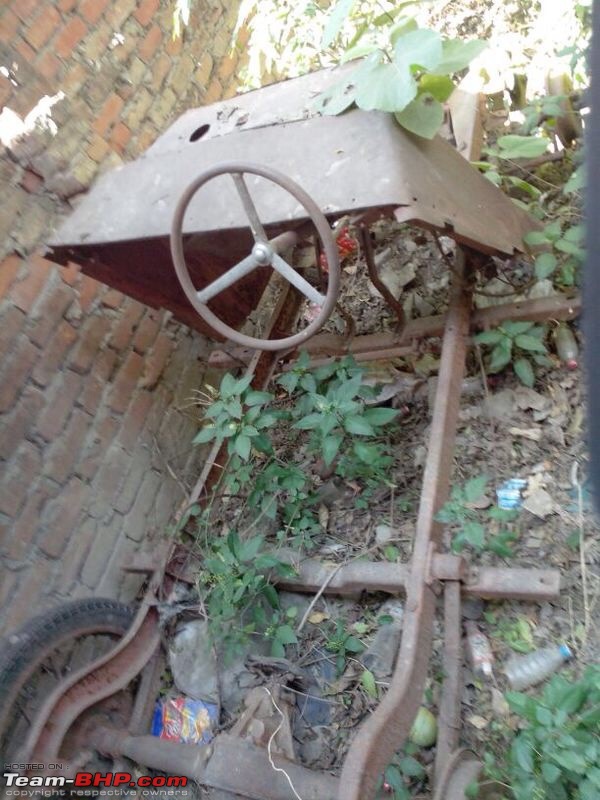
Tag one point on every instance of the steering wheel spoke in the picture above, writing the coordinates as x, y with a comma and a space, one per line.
264, 253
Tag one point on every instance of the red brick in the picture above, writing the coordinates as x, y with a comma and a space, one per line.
64, 453
54, 353
25, 9
108, 481
69, 37
6, 90
123, 330
31, 182
90, 342
8, 272
16, 370
112, 299
150, 44
156, 361
43, 27
96, 447
25, 50
66, 5
61, 516
174, 46
134, 421
120, 136
125, 383
11, 323
160, 69
18, 478
74, 78
24, 293
70, 274
59, 404
48, 65
147, 331
73, 558
108, 115
136, 522
48, 312
88, 290
145, 11
97, 380
140, 464
18, 425
92, 10
9, 25
119, 11
105, 542
26, 527
25, 600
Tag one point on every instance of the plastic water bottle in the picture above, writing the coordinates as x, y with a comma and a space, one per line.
525, 671
480, 652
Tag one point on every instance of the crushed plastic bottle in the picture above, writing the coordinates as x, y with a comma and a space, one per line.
525, 671
566, 345
480, 652
509, 493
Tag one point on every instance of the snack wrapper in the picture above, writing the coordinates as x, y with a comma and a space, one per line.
181, 719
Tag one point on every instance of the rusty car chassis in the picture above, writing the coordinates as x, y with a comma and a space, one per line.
123, 221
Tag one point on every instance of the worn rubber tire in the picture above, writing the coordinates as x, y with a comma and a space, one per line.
24, 650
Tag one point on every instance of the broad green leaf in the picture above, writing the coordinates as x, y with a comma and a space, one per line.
393, 777
285, 634
514, 328
474, 534
359, 51
421, 48
545, 264
500, 544
571, 759
368, 683
385, 87
410, 767
489, 337
472, 790
380, 416
423, 116
514, 146
553, 230
271, 594
440, 86
401, 28
576, 233
227, 388
522, 753
524, 371
501, 355
544, 716
530, 343
207, 434
367, 453
576, 181
242, 446
475, 487
358, 425
353, 645
256, 398
334, 101
535, 238
289, 381
331, 445
524, 186
458, 54
335, 21
565, 246
309, 423
550, 772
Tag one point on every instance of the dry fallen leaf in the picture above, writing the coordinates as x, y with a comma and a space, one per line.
477, 722
317, 617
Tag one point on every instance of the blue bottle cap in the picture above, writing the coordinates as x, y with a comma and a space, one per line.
565, 651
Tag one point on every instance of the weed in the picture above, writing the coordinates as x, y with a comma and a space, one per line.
518, 343
471, 522
341, 642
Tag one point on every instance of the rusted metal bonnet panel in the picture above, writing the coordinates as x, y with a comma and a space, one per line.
360, 161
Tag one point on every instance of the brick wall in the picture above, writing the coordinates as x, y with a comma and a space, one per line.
95, 388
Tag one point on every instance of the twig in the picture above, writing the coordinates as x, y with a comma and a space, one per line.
315, 599
486, 390
273, 735
584, 585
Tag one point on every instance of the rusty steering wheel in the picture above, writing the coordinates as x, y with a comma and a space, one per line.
264, 253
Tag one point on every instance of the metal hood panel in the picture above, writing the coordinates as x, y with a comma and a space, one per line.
355, 162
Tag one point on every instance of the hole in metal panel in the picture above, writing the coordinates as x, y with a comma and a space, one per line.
199, 133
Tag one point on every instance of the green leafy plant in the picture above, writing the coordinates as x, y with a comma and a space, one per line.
404, 774
516, 633
472, 524
341, 642
518, 343
563, 254
236, 590
556, 754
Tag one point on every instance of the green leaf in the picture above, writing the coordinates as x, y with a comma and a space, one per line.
353, 645
420, 48
474, 534
500, 544
359, 51
335, 21
472, 790
242, 446
309, 423
565, 246
410, 767
440, 86
271, 594
285, 634
458, 54
501, 355
576, 181
391, 552
368, 683
207, 434
550, 772
522, 753
524, 371
358, 425
367, 453
227, 388
331, 445
385, 87
423, 116
514, 146
489, 337
333, 101
289, 381
475, 487
513, 328
256, 398
393, 777
545, 264
380, 416
530, 343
